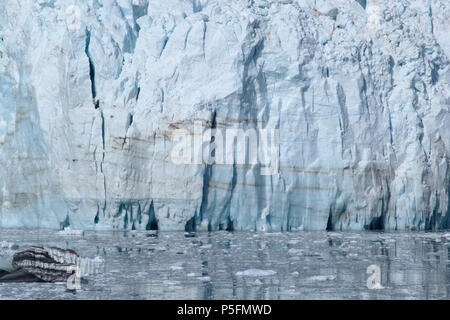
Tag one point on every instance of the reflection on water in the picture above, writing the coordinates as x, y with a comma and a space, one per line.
238, 265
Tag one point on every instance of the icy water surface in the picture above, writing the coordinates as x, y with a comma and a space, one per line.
238, 265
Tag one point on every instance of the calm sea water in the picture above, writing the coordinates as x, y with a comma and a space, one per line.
239, 265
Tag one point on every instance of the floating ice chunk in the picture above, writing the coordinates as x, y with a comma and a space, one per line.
192, 274
256, 273
289, 292
4, 244
335, 235
70, 232
7, 248
322, 278
258, 282
204, 279
178, 266
98, 259
171, 283
8, 245
296, 251
302, 252
273, 234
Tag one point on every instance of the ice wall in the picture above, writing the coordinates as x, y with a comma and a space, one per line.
91, 92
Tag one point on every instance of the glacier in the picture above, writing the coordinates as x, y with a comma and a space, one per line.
92, 90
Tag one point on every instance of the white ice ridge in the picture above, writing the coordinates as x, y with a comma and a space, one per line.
92, 91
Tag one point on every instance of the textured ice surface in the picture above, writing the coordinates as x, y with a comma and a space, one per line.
412, 265
358, 89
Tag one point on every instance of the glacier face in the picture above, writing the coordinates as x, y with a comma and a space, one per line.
91, 91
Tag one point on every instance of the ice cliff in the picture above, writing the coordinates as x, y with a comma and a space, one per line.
91, 91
